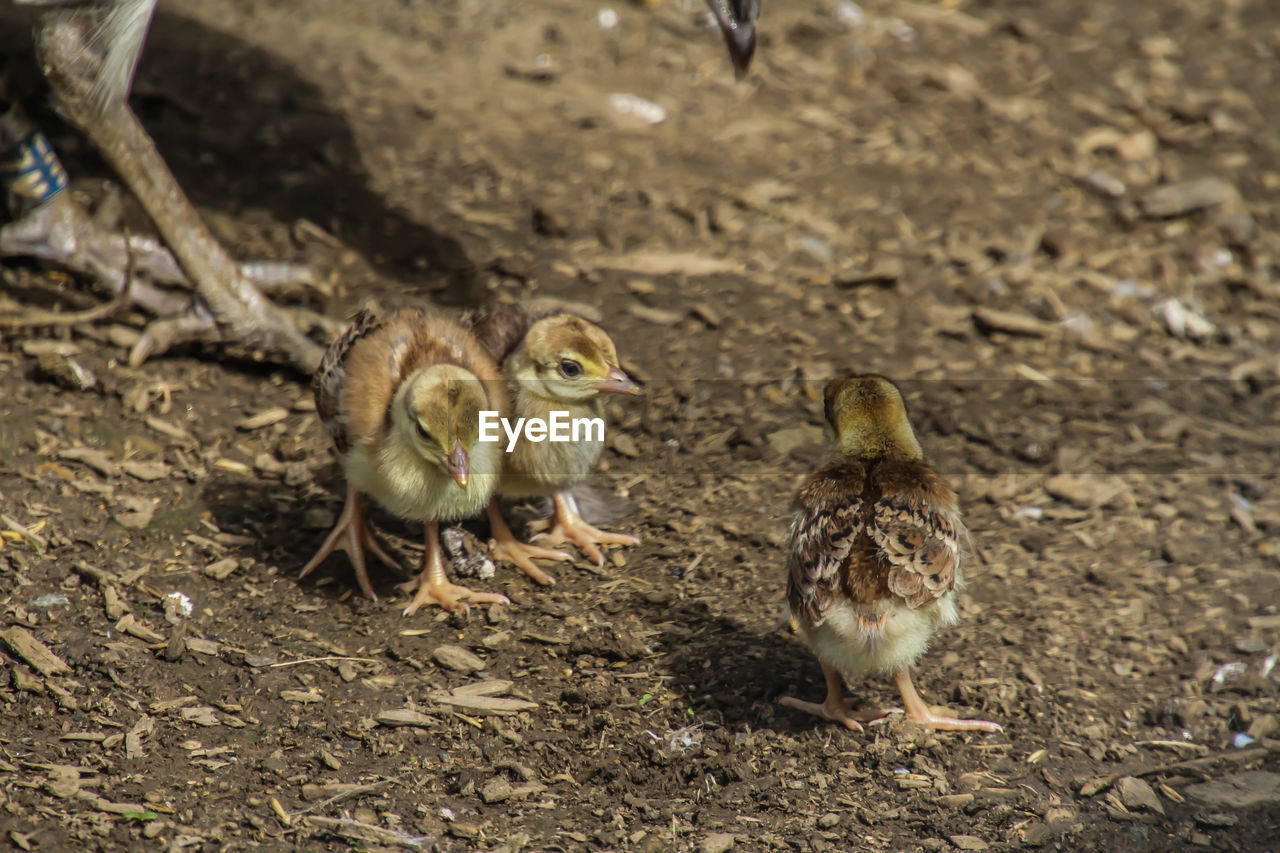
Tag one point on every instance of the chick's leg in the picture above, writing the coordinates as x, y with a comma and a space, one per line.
433, 586
569, 526
935, 718
834, 707
352, 535
505, 546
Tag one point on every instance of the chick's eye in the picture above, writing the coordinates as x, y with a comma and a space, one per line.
422, 431
570, 369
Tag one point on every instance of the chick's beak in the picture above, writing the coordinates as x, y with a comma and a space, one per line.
737, 20
458, 464
618, 382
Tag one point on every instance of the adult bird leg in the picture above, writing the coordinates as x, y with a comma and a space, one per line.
230, 307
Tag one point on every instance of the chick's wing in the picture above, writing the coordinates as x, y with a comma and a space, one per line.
826, 526
331, 375
920, 542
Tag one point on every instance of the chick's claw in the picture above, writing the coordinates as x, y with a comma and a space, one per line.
447, 596
351, 534
836, 712
569, 526
505, 546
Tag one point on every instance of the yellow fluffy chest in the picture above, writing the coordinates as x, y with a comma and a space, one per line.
541, 468
407, 485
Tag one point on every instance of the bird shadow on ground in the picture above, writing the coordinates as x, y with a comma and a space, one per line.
731, 675
242, 131
284, 538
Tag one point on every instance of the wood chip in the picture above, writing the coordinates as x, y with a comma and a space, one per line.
405, 717
128, 624
203, 647
995, 320
172, 431
263, 419
24, 532
1185, 197
222, 569
666, 263
486, 705
1137, 794
35, 653
233, 466
658, 316
489, 687
457, 659
201, 715
145, 471
304, 697
99, 460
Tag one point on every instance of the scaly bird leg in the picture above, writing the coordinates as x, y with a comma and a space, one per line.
935, 718
834, 707
568, 525
433, 586
505, 546
236, 310
352, 535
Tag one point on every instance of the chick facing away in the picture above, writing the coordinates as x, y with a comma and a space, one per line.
875, 555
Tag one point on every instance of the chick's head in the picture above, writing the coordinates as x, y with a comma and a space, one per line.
867, 418
441, 411
569, 359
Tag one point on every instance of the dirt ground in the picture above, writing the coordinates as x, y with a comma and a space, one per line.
1054, 223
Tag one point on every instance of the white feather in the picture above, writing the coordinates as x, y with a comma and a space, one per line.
118, 39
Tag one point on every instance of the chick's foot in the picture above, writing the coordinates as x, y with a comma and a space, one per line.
352, 535
505, 546
834, 708
569, 526
433, 587
921, 712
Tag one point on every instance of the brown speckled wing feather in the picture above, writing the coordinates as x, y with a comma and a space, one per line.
827, 522
500, 329
920, 541
332, 374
